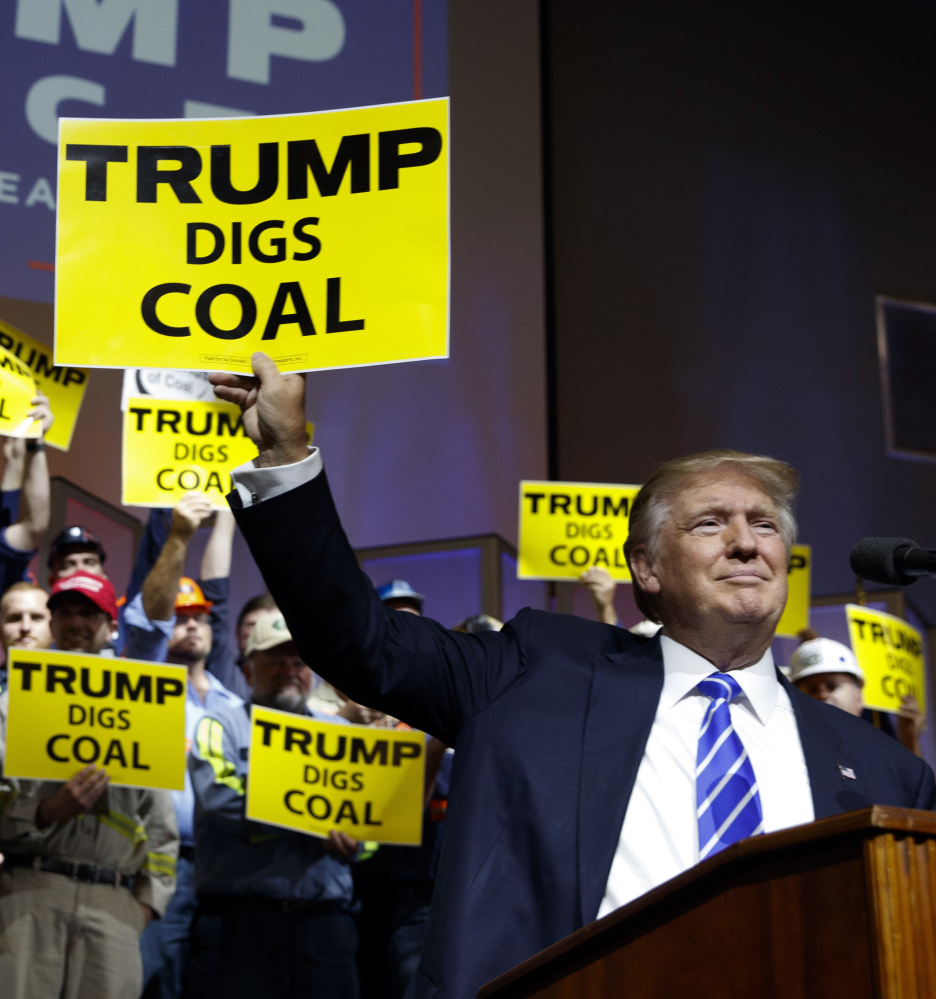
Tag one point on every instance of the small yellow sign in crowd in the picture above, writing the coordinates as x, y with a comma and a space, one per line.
890, 654
69, 709
568, 527
64, 387
317, 776
171, 448
796, 613
321, 239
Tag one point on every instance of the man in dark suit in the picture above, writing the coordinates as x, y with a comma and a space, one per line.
590, 765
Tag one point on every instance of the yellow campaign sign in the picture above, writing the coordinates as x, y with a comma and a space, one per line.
316, 776
17, 390
69, 709
172, 447
568, 527
65, 387
890, 653
796, 613
321, 239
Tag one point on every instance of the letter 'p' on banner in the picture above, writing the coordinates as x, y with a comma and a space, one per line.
316, 776
321, 239
69, 709
568, 527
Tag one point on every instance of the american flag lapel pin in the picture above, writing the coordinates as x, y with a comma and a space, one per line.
847, 772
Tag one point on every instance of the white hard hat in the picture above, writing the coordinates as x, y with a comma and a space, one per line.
823, 655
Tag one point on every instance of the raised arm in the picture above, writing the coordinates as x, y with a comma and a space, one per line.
406, 666
33, 518
162, 583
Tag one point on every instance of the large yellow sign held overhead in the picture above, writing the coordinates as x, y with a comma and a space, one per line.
321, 239
567, 527
890, 654
64, 387
69, 709
316, 776
796, 613
17, 390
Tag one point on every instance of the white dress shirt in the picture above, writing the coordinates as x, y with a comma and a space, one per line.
660, 836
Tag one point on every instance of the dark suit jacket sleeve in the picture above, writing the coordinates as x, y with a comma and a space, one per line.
409, 667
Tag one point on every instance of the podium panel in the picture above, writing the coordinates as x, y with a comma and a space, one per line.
840, 907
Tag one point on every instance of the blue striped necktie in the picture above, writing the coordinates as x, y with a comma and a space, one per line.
728, 802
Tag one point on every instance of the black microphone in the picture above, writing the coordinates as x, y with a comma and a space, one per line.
896, 561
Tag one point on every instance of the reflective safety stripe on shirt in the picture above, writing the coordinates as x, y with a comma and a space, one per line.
160, 863
210, 738
124, 825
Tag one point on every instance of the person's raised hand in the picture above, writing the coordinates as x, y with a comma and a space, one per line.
77, 796
340, 845
601, 586
189, 513
273, 405
42, 410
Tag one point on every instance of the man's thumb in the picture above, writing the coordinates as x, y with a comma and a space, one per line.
264, 367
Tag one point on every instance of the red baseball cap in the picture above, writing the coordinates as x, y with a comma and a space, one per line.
99, 591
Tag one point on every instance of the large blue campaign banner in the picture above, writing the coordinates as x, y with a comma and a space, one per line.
185, 58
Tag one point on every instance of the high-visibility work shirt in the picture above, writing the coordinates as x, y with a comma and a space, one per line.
235, 855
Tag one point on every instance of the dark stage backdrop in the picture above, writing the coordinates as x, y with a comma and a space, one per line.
730, 187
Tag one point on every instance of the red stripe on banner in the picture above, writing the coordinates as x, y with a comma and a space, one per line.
417, 49
39, 265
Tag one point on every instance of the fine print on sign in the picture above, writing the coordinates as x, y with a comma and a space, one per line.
64, 387
568, 527
165, 383
890, 654
796, 613
321, 239
171, 448
316, 776
69, 709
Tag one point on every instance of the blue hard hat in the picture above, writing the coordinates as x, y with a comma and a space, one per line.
399, 589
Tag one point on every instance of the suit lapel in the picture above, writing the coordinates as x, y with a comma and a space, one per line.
625, 692
833, 788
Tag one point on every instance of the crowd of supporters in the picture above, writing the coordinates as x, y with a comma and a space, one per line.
110, 891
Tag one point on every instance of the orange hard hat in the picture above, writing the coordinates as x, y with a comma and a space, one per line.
190, 596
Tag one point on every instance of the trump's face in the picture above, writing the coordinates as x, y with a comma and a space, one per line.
720, 556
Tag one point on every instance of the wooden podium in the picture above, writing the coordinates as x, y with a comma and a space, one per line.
843, 907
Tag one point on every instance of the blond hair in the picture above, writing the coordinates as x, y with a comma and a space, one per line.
654, 502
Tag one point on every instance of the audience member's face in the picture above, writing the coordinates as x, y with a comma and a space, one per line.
278, 678
840, 689
720, 556
404, 604
78, 625
24, 620
247, 625
191, 637
78, 559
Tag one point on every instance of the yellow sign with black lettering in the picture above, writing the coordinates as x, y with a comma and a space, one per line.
796, 613
64, 387
321, 239
17, 391
317, 776
69, 709
890, 654
568, 527
171, 448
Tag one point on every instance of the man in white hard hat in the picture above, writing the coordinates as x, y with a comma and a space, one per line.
827, 670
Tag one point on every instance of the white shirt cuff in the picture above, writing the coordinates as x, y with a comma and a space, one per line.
254, 485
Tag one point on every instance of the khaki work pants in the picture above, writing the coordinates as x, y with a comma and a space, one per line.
61, 939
